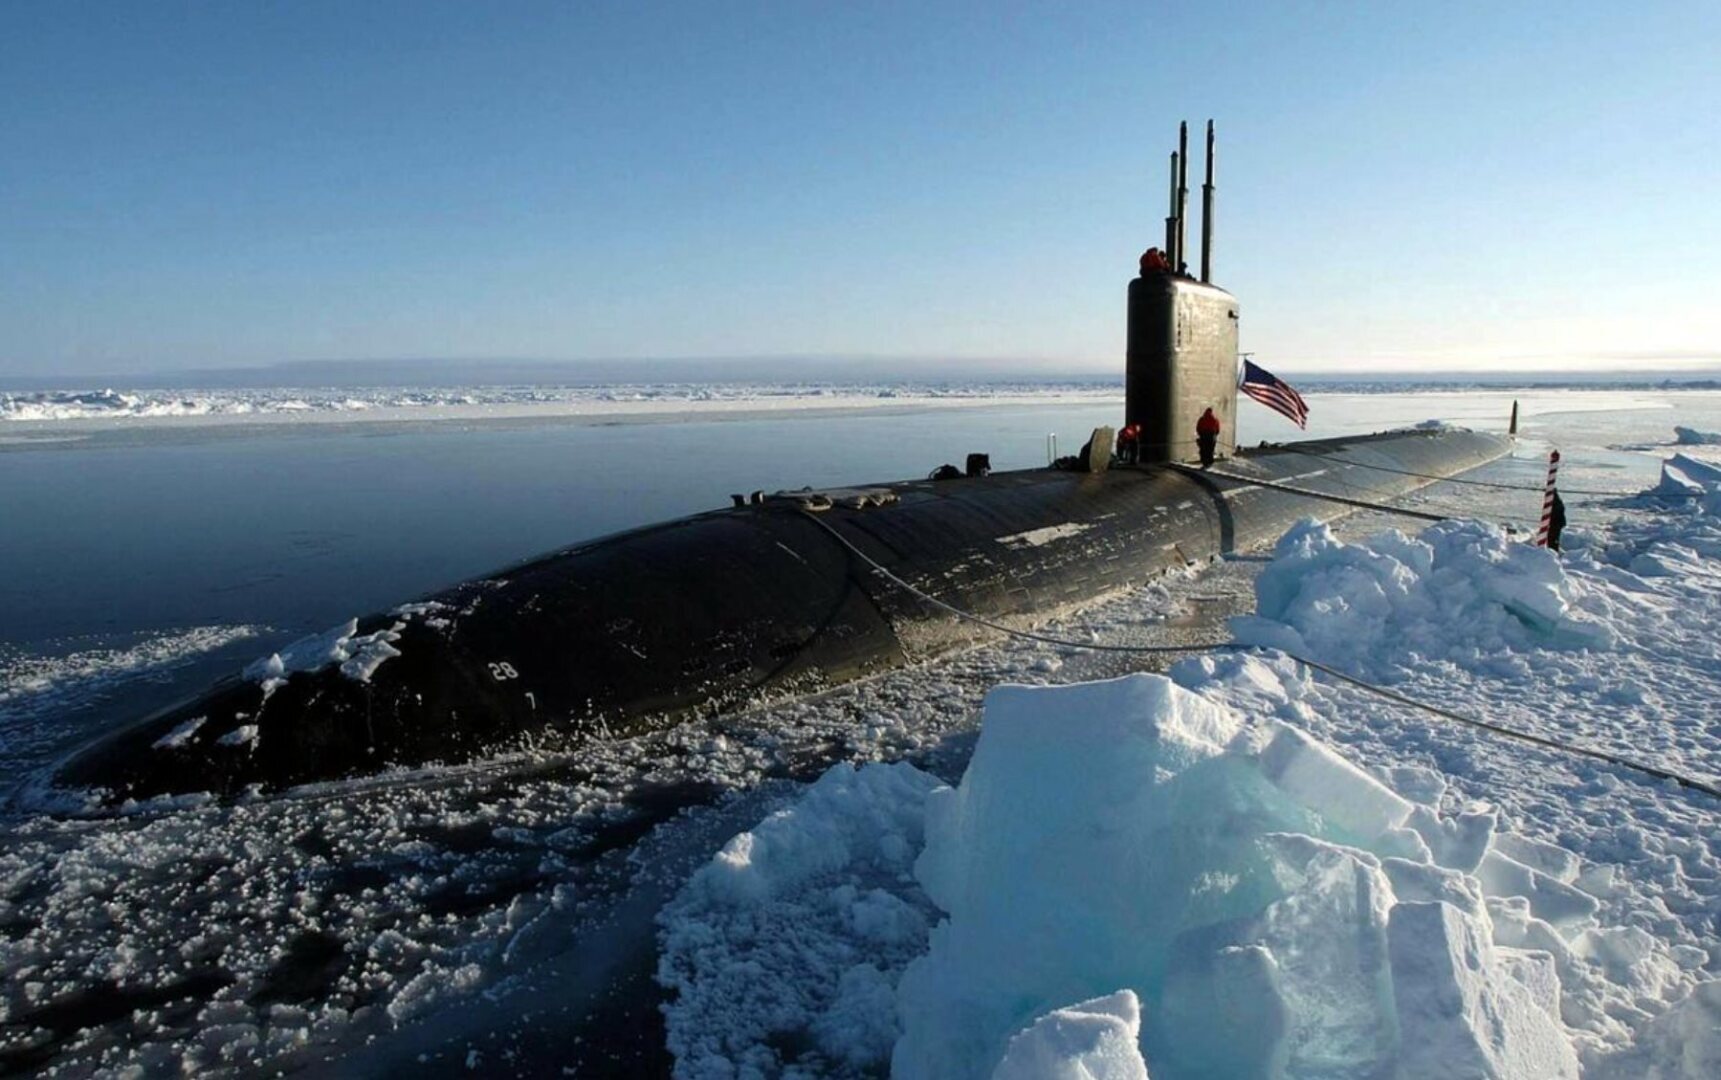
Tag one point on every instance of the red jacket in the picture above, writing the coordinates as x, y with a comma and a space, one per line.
1208, 424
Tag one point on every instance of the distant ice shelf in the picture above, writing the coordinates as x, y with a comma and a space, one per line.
286, 403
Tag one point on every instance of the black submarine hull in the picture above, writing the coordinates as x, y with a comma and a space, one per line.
718, 611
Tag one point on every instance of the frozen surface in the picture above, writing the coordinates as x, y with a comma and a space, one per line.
309, 404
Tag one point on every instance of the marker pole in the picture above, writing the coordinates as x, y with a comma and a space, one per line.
1548, 500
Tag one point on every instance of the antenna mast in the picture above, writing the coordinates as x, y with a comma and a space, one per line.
1207, 213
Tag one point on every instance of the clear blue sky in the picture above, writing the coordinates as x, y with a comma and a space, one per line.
1401, 186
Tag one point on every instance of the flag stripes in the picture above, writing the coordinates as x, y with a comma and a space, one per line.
1273, 392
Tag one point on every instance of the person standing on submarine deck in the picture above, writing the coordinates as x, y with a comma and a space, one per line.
1207, 437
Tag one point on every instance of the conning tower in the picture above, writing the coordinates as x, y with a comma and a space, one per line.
1181, 357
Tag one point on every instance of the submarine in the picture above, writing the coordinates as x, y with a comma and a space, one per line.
782, 596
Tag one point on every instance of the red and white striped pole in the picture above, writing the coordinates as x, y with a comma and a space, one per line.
1548, 500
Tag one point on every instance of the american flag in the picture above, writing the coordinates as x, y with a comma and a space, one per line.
1263, 386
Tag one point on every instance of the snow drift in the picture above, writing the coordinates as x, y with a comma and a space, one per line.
1460, 593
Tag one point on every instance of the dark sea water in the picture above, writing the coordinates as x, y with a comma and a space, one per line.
296, 530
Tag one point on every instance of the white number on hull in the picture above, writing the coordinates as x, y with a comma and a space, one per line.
502, 671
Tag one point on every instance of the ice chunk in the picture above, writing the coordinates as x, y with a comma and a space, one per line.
422, 607
358, 655
1130, 834
1122, 800
180, 735
1223, 1011
1552, 901
1457, 843
1685, 436
1095, 1040
1462, 1012
1424, 882
366, 654
1039, 745
1329, 937
1347, 798
243, 735
1417, 783
1684, 1042
1539, 855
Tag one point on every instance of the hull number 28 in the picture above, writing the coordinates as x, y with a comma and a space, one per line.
502, 671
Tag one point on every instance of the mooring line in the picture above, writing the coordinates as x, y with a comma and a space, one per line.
1655, 771
1364, 504
1491, 483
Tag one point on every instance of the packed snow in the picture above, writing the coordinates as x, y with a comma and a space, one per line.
818, 885
1461, 593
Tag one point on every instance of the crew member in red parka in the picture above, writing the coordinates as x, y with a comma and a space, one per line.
1207, 436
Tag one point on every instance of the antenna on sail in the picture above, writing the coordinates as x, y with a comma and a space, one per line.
1207, 213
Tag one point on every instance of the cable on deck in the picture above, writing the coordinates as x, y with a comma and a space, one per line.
1537, 490
1306, 493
